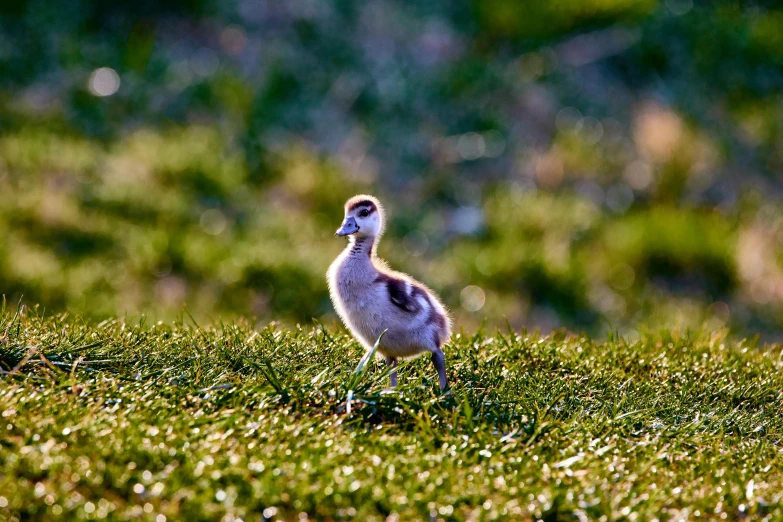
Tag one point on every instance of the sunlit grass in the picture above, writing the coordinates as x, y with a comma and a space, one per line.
121, 420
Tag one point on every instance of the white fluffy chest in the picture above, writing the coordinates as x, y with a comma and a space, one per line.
360, 296
351, 283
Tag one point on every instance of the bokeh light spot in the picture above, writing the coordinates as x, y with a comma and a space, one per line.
639, 175
205, 62
233, 40
549, 169
619, 198
592, 130
213, 221
104, 82
720, 311
657, 132
471, 146
494, 144
472, 298
623, 277
569, 120
679, 7
467, 220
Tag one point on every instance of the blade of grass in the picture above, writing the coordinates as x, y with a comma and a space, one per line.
269, 373
361, 369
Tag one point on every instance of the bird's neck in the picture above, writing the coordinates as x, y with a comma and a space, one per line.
361, 247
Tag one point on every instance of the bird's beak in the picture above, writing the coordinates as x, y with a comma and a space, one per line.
348, 227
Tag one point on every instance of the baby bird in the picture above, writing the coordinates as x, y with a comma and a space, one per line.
370, 298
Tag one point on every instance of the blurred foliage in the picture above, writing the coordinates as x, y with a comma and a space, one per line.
600, 164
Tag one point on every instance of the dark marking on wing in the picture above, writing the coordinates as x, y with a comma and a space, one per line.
435, 316
436, 339
416, 292
398, 295
382, 278
437, 319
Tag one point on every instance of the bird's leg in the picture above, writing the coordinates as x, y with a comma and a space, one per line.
392, 361
439, 360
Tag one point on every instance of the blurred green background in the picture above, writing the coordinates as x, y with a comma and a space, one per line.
592, 164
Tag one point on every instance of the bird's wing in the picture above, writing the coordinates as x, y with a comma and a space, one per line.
399, 294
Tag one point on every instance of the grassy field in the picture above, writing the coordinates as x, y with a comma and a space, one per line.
125, 420
607, 167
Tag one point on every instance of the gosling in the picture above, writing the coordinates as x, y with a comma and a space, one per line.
370, 297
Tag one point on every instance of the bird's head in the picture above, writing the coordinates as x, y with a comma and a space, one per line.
363, 217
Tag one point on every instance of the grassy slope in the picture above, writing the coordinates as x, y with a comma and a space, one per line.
123, 421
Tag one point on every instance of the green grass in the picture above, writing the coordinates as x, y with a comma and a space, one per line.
128, 420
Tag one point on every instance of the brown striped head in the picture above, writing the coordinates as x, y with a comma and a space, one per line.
363, 217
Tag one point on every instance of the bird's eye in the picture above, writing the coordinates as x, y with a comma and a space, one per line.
364, 213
